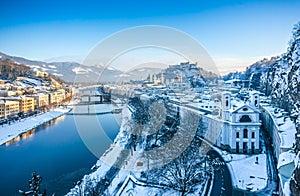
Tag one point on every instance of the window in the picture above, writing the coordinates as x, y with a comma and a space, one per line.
252, 147
237, 147
245, 109
255, 102
245, 133
253, 134
245, 147
227, 103
237, 134
245, 118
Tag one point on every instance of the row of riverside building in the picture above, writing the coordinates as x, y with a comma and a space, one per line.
10, 106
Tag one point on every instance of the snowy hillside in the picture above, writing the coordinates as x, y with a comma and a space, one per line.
140, 73
69, 71
78, 73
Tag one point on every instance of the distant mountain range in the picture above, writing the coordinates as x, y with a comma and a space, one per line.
79, 73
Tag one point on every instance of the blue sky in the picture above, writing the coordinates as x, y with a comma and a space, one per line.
235, 33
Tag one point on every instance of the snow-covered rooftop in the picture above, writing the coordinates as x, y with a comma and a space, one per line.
7, 101
285, 125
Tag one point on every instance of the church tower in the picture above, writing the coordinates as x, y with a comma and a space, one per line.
254, 99
226, 101
150, 77
162, 78
154, 79
226, 105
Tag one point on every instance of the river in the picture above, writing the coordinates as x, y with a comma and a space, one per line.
55, 150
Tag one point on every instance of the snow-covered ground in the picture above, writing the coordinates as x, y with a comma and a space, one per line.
80, 70
131, 186
248, 174
56, 74
8, 132
34, 81
127, 180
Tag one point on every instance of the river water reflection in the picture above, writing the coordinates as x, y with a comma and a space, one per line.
55, 150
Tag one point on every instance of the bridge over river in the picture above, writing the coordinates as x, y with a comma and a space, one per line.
114, 111
91, 96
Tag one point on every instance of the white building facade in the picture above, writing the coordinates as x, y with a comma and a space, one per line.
241, 124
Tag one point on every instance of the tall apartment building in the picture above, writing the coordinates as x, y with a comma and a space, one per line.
40, 100
8, 108
26, 104
57, 96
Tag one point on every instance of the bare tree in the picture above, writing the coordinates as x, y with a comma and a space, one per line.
94, 188
157, 113
183, 173
191, 166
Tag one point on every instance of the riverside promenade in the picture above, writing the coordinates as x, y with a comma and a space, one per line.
13, 130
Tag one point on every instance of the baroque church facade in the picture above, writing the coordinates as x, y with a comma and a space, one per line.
240, 124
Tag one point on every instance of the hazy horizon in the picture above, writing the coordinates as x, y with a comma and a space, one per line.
235, 34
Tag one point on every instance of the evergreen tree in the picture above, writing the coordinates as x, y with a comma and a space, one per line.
34, 186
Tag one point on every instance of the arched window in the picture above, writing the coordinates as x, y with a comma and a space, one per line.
245, 118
